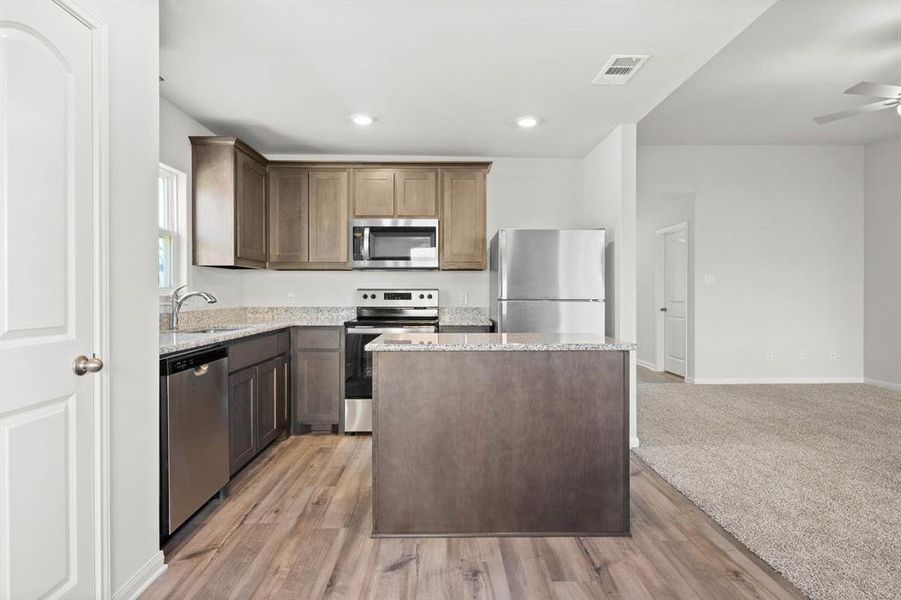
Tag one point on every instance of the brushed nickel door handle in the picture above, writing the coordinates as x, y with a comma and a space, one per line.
84, 365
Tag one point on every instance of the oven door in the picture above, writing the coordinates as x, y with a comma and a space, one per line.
358, 370
394, 244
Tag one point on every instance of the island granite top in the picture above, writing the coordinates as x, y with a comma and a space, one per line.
496, 342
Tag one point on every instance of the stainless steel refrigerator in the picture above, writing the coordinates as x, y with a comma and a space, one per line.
547, 280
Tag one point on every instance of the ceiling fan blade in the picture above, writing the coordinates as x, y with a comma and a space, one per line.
875, 90
857, 110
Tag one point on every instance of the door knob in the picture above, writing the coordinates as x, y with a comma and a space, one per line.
84, 365
663, 309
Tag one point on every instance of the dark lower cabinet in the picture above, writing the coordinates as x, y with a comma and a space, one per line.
317, 364
242, 430
257, 396
272, 407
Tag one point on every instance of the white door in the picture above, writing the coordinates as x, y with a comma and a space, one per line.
47, 313
675, 296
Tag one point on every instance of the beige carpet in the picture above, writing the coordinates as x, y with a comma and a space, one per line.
807, 476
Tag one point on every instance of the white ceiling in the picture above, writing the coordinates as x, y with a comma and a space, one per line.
792, 64
442, 77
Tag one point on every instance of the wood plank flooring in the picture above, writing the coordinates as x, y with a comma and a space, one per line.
645, 375
297, 520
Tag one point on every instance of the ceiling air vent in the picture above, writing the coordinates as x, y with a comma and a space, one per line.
619, 69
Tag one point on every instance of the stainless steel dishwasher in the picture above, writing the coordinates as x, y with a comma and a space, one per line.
193, 433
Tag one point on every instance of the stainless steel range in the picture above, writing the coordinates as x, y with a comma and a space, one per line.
379, 311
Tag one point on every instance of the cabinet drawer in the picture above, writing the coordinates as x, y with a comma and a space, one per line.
256, 350
318, 338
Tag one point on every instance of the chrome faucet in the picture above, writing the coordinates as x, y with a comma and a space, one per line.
178, 300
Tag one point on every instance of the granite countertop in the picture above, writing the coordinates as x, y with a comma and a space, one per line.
495, 342
235, 323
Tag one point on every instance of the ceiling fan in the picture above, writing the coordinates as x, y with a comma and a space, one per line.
890, 98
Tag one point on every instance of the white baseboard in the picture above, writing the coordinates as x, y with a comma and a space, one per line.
633, 442
646, 364
773, 380
884, 384
141, 580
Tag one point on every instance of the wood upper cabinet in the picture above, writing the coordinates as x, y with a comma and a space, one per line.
250, 202
288, 217
416, 193
229, 203
463, 220
403, 193
329, 225
373, 193
251, 213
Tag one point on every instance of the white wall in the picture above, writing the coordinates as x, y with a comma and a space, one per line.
133, 356
522, 192
175, 152
780, 231
882, 329
655, 212
608, 200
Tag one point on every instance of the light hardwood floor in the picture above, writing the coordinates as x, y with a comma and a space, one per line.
645, 375
297, 520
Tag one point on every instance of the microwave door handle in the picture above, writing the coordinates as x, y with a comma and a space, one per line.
365, 243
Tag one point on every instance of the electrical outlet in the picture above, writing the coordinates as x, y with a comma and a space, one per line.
803, 354
769, 356
292, 299
833, 355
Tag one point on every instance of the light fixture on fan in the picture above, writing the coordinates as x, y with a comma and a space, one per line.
890, 97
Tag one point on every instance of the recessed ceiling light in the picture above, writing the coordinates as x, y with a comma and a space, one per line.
527, 122
362, 120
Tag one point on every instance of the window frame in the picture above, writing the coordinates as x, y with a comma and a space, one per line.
175, 225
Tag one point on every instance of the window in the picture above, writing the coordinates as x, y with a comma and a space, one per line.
171, 222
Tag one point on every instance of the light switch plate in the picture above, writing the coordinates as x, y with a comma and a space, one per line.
709, 278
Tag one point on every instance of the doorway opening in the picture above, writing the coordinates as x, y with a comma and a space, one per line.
671, 299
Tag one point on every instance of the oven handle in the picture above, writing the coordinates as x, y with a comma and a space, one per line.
370, 330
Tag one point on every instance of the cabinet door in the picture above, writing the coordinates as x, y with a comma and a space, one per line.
329, 227
288, 218
416, 192
283, 379
242, 431
373, 193
270, 399
250, 206
318, 377
463, 236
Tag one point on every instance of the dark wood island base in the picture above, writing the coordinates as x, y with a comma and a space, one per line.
499, 442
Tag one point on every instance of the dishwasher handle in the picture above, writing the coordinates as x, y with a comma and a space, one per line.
197, 361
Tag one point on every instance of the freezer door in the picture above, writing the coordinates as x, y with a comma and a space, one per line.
550, 316
553, 264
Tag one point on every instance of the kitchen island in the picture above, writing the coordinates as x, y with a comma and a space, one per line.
500, 434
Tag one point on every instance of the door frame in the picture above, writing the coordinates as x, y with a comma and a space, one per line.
660, 289
100, 269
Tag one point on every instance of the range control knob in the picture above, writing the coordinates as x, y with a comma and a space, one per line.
421, 296
429, 296
365, 296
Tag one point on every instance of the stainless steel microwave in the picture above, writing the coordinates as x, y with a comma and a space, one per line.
394, 244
